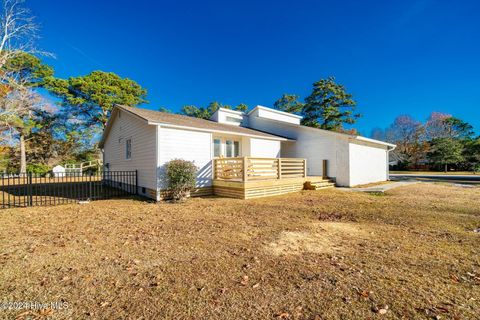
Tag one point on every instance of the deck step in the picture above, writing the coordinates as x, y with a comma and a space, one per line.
318, 184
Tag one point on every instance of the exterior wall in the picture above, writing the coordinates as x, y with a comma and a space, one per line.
263, 148
189, 145
143, 158
231, 117
313, 145
276, 115
342, 152
245, 147
367, 163
350, 162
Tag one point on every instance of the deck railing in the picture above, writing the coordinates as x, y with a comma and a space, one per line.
250, 168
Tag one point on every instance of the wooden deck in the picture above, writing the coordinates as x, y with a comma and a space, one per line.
265, 188
248, 177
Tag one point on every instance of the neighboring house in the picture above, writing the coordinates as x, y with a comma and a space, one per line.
245, 155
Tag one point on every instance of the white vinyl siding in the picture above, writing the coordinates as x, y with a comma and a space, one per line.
143, 148
262, 148
271, 114
350, 163
313, 145
367, 163
188, 145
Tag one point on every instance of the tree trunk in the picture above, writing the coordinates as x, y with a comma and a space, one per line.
446, 168
23, 155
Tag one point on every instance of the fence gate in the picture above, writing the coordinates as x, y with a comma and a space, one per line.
26, 190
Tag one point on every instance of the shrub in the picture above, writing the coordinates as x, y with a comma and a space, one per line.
38, 168
476, 168
181, 176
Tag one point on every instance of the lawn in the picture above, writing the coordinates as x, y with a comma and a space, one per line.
328, 254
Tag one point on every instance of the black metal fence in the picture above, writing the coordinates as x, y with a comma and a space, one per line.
25, 190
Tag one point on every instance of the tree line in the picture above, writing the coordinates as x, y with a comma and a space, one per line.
36, 134
442, 142
329, 106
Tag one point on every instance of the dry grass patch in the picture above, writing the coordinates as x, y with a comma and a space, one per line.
343, 256
374, 184
323, 237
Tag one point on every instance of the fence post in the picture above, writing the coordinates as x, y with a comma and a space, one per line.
279, 168
136, 182
30, 189
90, 187
245, 169
304, 168
214, 169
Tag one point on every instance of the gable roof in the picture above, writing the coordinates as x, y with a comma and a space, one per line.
180, 121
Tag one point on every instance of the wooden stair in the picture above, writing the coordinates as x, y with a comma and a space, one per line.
318, 184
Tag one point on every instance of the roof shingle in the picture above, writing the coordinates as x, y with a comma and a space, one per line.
186, 121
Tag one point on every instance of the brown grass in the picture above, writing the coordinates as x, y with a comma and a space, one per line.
373, 184
326, 254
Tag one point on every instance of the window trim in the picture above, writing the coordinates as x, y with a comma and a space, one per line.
223, 147
220, 145
128, 143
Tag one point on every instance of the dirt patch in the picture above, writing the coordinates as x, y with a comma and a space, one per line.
323, 237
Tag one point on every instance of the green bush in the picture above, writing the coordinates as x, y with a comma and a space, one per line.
181, 176
476, 168
38, 168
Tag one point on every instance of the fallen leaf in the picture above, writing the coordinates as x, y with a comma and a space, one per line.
454, 278
364, 293
283, 315
46, 312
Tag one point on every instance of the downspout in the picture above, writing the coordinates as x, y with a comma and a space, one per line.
388, 161
157, 163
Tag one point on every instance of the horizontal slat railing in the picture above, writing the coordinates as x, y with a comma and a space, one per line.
292, 168
252, 168
262, 168
228, 168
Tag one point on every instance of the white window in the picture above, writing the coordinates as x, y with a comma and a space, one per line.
128, 149
234, 120
232, 148
236, 148
217, 147
229, 148
226, 147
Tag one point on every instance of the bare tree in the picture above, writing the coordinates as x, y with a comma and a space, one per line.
18, 101
18, 30
17, 118
409, 135
436, 126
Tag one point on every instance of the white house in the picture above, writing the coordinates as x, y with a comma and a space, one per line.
262, 152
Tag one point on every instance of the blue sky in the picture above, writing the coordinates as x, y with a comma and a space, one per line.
395, 57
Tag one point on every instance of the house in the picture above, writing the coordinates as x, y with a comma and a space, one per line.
243, 155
